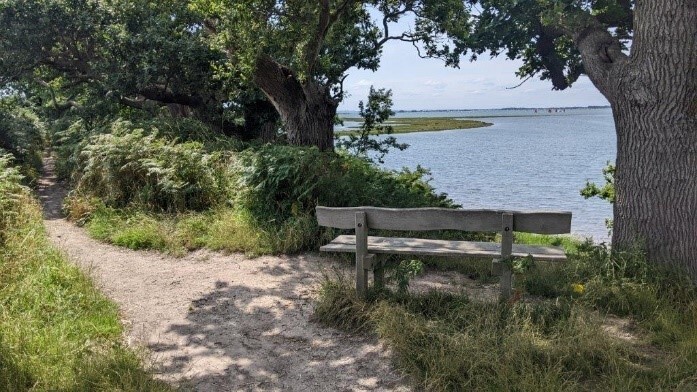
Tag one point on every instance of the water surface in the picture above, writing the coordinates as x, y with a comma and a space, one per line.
524, 161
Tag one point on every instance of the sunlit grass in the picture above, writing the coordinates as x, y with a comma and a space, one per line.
559, 339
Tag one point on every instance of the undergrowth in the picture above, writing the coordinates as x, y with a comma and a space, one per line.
22, 136
144, 191
557, 337
57, 332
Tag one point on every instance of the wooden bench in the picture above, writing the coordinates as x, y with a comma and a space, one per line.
428, 219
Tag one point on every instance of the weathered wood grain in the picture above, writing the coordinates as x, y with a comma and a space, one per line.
428, 247
427, 219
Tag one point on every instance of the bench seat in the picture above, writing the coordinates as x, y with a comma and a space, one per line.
429, 247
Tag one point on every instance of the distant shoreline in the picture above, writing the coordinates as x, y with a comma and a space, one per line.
352, 112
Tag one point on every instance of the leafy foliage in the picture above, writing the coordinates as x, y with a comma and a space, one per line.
405, 271
129, 166
607, 191
539, 33
11, 195
375, 113
277, 182
22, 135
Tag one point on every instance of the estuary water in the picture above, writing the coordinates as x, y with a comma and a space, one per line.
526, 160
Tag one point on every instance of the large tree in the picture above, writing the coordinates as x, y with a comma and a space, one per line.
642, 56
298, 51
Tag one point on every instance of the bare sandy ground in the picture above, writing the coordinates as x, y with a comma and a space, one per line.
213, 322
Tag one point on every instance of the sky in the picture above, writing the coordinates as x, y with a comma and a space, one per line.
426, 84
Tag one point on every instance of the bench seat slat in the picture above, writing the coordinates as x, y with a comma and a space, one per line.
429, 247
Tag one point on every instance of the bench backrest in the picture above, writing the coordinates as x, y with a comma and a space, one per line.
426, 219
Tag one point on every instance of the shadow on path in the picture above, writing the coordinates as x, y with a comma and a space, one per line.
51, 191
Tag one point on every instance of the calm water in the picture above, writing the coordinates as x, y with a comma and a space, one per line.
530, 161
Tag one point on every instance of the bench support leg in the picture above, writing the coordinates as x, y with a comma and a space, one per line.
506, 277
363, 259
506, 250
506, 281
379, 273
361, 274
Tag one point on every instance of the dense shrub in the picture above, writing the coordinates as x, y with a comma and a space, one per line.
270, 193
22, 135
277, 182
130, 167
70, 136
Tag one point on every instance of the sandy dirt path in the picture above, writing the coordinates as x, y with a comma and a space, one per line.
214, 322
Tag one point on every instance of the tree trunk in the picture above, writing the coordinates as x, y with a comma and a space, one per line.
656, 183
260, 121
307, 109
654, 102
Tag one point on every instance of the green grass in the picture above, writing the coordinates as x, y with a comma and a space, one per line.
426, 124
57, 332
561, 341
569, 243
225, 229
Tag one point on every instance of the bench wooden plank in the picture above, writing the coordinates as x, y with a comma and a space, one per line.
428, 219
428, 247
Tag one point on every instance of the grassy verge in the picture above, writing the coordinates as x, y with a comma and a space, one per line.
57, 332
225, 229
595, 323
426, 124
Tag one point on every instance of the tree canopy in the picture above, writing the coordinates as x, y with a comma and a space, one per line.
243, 66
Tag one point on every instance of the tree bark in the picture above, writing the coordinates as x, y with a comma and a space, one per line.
653, 94
306, 108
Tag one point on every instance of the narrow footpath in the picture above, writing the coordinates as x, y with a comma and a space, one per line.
214, 322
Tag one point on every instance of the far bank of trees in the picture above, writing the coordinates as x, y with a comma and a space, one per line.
244, 68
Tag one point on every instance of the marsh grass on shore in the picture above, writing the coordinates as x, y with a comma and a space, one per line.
423, 124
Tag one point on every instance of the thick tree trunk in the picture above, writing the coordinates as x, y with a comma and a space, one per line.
653, 94
260, 121
307, 109
656, 183
655, 111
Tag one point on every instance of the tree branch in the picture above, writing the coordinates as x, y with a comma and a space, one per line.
551, 61
161, 94
601, 52
325, 22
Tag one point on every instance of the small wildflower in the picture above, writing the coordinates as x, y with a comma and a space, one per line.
577, 288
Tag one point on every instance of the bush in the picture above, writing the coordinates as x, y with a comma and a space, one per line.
70, 137
129, 167
22, 135
278, 182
